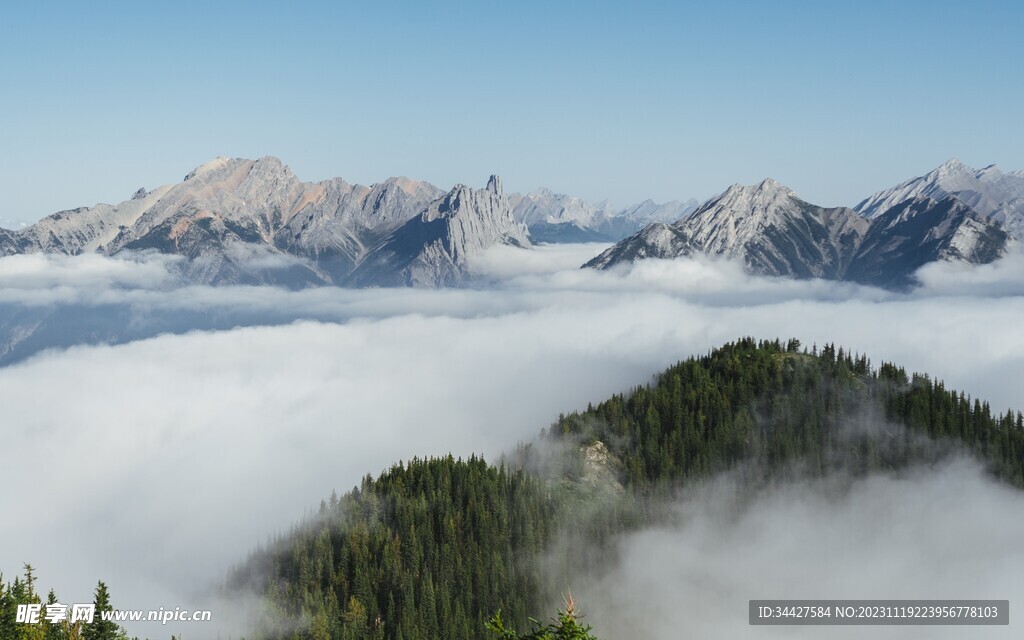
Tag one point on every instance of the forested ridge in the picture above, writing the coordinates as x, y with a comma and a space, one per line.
778, 405
432, 549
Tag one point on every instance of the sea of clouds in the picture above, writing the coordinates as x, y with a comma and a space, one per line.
192, 423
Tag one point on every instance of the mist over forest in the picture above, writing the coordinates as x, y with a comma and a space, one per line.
223, 416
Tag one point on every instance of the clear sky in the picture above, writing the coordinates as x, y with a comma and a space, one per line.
624, 100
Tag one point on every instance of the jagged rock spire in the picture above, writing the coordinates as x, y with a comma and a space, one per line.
494, 185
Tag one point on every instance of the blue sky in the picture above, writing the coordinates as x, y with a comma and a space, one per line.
599, 99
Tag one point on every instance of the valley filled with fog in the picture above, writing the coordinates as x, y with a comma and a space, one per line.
191, 424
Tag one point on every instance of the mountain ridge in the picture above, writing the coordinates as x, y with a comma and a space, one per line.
242, 221
229, 215
229, 210
773, 232
989, 191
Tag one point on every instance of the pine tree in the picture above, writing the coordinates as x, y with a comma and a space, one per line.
99, 628
564, 626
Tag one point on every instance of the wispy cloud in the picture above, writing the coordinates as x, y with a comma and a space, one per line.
932, 533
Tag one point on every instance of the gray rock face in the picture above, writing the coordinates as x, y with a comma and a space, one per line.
766, 226
8, 243
922, 230
432, 248
772, 231
244, 221
85, 229
989, 191
775, 233
337, 235
658, 240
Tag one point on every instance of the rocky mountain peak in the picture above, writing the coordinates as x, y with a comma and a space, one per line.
988, 191
952, 166
271, 168
409, 186
217, 163
450, 203
432, 248
745, 200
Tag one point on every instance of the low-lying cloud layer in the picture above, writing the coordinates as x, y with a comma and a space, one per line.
942, 533
158, 463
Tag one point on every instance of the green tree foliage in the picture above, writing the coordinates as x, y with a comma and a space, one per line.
781, 407
22, 591
564, 626
429, 549
100, 629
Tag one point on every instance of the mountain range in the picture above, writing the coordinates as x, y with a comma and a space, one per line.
554, 217
239, 221
952, 213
